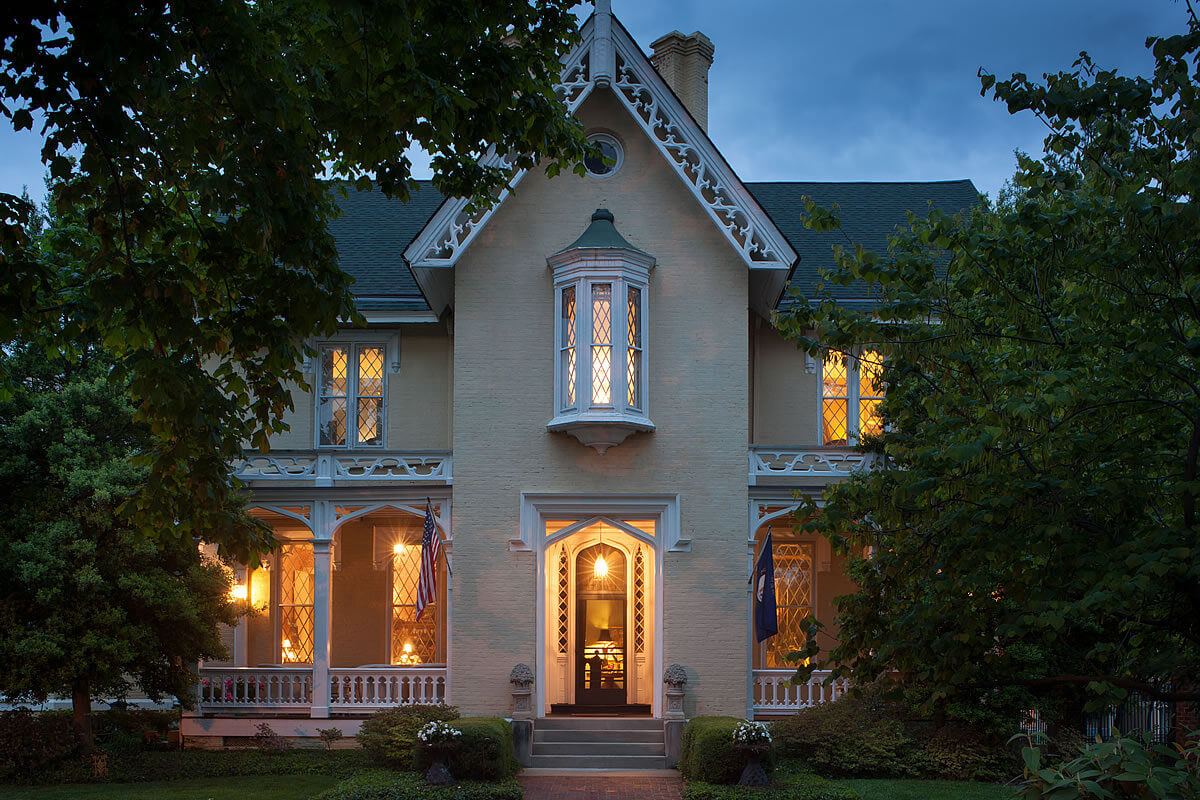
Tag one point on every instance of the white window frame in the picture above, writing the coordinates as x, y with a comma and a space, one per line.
854, 398
584, 404
352, 346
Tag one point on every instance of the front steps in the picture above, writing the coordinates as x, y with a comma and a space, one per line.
598, 743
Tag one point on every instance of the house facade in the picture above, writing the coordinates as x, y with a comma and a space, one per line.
582, 390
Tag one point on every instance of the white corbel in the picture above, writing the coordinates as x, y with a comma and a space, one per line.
393, 353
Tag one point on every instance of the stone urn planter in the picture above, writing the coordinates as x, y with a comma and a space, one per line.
752, 740
439, 740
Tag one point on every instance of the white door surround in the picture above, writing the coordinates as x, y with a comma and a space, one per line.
586, 510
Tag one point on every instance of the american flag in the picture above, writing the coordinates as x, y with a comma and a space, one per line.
431, 543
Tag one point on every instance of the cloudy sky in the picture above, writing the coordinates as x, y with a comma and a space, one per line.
866, 90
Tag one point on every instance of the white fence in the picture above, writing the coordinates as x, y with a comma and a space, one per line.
322, 469
370, 688
287, 688
774, 692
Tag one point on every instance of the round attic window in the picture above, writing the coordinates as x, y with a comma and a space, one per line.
612, 154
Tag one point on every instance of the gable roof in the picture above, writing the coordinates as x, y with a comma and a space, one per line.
869, 213
607, 56
374, 231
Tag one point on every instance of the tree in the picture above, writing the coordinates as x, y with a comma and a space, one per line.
1033, 538
197, 137
89, 604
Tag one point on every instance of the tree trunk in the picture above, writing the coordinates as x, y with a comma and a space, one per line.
81, 706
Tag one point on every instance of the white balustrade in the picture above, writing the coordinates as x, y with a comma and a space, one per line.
322, 468
264, 688
384, 687
768, 462
775, 693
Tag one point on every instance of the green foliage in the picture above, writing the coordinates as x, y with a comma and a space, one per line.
385, 785
266, 740
789, 781
30, 742
91, 605
865, 734
484, 751
708, 753
927, 790
1034, 535
198, 177
389, 736
329, 736
1121, 767
151, 766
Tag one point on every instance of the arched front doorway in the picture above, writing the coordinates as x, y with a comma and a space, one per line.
601, 643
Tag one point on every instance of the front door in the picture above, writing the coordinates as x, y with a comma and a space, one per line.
601, 673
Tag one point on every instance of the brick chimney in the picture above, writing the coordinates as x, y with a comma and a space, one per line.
683, 61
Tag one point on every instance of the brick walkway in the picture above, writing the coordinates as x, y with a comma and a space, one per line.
569, 787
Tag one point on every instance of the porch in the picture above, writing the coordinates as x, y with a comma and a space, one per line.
775, 695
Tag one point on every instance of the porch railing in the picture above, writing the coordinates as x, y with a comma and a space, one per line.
291, 689
787, 462
264, 688
370, 688
322, 469
774, 692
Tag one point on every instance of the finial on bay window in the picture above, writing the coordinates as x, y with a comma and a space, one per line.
603, 56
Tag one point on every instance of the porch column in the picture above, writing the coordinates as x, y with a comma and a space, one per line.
240, 574
322, 605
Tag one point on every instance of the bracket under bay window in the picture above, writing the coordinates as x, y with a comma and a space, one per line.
601, 365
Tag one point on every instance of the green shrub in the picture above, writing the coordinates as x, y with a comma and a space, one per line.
485, 750
385, 785
179, 765
31, 742
856, 735
789, 782
1122, 767
708, 753
389, 736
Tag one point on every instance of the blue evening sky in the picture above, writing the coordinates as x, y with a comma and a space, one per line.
866, 90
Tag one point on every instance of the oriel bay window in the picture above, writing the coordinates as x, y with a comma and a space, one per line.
350, 406
601, 380
850, 397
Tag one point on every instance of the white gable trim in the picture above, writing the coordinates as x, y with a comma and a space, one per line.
622, 65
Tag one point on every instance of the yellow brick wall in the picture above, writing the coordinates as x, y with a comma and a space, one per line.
503, 362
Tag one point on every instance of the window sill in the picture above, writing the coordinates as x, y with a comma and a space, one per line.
600, 429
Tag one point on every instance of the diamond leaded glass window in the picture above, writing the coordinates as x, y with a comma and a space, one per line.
793, 602
297, 576
563, 600
602, 373
633, 332
413, 641
851, 391
350, 405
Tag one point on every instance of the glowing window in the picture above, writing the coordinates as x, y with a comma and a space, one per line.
793, 602
350, 407
600, 346
851, 391
412, 641
296, 579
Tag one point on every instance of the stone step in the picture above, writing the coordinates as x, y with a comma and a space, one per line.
576, 735
597, 723
599, 748
597, 762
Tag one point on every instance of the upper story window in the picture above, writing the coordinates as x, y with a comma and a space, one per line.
600, 345
350, 406
850, 397
601, 375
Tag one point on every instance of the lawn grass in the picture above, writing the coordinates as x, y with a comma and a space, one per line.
258, 787
926, 790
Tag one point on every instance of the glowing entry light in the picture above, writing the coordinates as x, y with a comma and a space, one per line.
398, 548
600, 569
407, 656
239, 591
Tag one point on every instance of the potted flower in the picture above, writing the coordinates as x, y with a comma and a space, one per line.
752, 739
439, 739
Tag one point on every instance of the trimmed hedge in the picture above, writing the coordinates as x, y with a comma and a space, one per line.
708, 753
32, 741
389, 736
484, 751
176, 765
387, 785
809, 787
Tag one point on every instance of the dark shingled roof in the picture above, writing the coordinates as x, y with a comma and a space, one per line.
371, 237
374, 231
869, 213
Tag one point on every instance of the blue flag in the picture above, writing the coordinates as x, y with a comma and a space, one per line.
766, 621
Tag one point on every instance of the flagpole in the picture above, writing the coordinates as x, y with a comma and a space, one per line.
754, 560
445, 556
